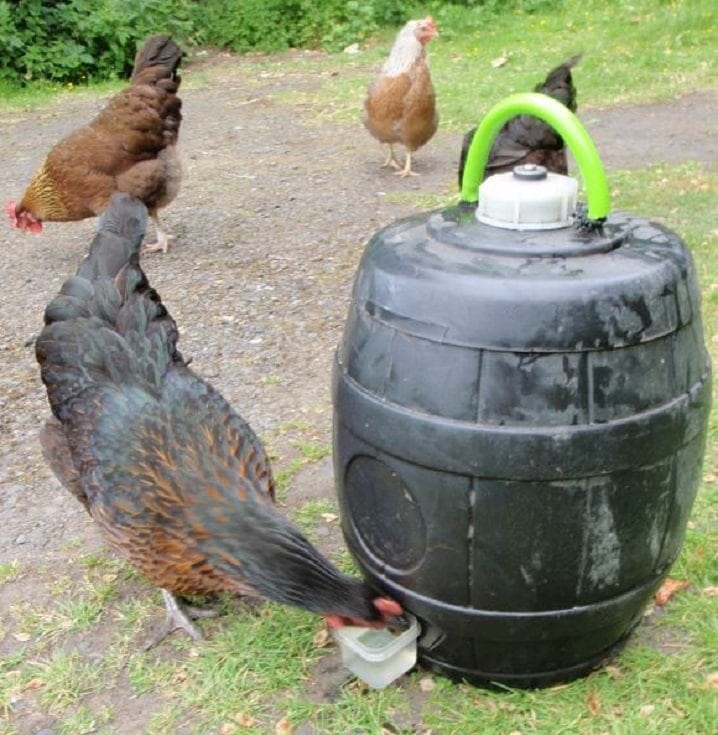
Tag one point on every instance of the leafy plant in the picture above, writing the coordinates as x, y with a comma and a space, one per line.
81, 40
78, 41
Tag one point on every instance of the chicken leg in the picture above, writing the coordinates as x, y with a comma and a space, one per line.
162, 243
391, 158
406, 171
179, 616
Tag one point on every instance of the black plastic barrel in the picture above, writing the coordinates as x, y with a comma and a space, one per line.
519, 426
518, 435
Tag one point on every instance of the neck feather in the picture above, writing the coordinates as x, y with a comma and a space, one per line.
405, 52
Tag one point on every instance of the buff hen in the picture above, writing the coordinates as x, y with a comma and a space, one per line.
400, 106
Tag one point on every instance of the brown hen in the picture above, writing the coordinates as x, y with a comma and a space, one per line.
131, 146
176, 479
400, 105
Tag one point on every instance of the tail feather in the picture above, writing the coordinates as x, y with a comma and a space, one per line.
157, 62
117, 242
106, 326
121, 228
559, 83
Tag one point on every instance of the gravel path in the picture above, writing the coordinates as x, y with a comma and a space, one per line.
271, 221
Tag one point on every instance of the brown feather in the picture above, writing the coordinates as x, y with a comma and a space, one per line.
420, 119
400, 106
130, 147
384, 107
177, 480
56, 452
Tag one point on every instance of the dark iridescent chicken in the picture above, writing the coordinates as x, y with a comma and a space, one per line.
526, 139
177, 480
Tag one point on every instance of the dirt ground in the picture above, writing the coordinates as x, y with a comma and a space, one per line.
270, 223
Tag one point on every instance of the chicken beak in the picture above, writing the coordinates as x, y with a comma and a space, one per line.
427, 30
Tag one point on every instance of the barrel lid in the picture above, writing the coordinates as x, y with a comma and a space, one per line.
527, 198
446, 277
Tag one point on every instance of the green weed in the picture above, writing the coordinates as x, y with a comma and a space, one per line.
64, 679
9, 571
83, 722
647, 50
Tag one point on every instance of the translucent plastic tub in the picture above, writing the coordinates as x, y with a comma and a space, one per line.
378, 657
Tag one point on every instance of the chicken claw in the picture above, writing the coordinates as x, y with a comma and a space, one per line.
406, 171
162, 245
179, 616
391, 159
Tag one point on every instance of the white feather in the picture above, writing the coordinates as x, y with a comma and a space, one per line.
405, 51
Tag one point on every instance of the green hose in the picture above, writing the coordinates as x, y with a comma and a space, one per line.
564, 122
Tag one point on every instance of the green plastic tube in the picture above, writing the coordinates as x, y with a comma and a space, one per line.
564, 122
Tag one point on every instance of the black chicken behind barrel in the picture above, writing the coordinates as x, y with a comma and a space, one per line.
525, 138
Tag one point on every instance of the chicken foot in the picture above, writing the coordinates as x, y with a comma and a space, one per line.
163, 238
406, 171
179, 616
391, 159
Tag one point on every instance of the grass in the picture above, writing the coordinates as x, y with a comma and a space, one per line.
647, 50
311, 512
37, 95
291, 454
150, 676
84, 722
238, 670
256, 672
9, 571
63, 679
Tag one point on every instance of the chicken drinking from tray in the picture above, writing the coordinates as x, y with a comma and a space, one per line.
176, 479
